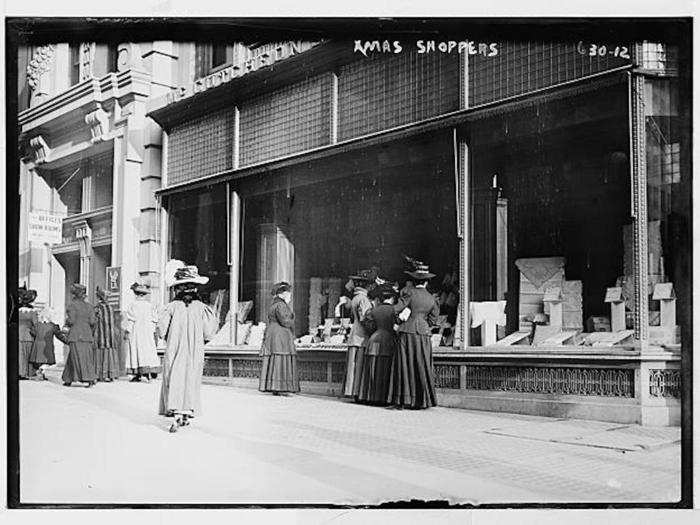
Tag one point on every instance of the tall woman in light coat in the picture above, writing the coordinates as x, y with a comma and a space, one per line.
186, 324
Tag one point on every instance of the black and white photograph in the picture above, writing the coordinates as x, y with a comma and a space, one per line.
350, 262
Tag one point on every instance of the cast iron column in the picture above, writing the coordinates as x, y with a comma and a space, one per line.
639, 202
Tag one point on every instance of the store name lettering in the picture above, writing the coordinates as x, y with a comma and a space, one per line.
469, 47
266, 58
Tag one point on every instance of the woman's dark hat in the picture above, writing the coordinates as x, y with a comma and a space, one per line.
419, 270
78, 290
26, 296
385, 290
281, 287
365, 276
140, 289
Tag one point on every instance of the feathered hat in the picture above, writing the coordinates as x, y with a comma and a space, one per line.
419, 270
177, 272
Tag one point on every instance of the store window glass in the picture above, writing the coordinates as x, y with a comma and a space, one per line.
198, 235
355, 213
667, 232
549, 208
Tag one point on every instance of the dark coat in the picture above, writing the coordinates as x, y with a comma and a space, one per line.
43, 349
278, 338
80, 318
105, 327
27, 324
424, 311
383, 341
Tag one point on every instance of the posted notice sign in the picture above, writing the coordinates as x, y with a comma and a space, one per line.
45, 228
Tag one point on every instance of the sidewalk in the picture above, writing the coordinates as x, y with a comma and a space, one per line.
107, 445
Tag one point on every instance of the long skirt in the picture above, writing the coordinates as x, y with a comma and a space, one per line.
26, 368
353, 366
279, 373
107, 363
411, 382
80, 364
374, 378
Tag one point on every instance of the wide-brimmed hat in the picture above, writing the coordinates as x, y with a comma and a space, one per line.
365, 276
177, 272
100, 293
419, 270
26, 296
281, 287
140, 288
78, 290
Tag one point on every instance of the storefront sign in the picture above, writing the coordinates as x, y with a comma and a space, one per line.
114, 279
46, 228
262, 57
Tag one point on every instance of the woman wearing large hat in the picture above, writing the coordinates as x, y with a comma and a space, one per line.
80, 319
186, 324
279, 360
411, 380
140, 326
373, 379
357, 339
27, 331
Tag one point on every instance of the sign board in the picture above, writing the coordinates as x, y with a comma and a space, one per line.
264, 56
613, 295
45, 228
114, 279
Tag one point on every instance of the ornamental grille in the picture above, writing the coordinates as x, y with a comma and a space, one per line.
446, 376
608, 382
249, 368
315, 371
201, 147
521, 67
665, 383
337, 372
215, 367
292, 119
380, 92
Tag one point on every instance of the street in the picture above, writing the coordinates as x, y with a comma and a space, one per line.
108, 445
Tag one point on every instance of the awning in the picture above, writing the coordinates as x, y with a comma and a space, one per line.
445, 121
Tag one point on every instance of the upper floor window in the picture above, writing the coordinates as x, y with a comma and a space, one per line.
74, 63
210, 57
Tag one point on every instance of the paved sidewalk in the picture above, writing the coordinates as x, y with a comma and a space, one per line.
107, 445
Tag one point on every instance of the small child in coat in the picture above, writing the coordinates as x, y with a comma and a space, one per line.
43, 353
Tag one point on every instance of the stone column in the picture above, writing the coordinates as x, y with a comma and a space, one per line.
83, 233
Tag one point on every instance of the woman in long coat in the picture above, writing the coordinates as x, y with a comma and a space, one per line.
381, 346
43, 352
141, 318
107, 350
279, 356
186, 323
27, 327
357, 339
411, 384
80, 319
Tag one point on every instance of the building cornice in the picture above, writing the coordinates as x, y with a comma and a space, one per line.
86, 97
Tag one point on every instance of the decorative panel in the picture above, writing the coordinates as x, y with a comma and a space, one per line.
446, 376
521, 67
293, 119
609, 382
380, 92
201, 147
665, 383
247, 368
337, 372
214, 367
316, 371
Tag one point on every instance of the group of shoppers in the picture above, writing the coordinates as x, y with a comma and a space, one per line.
389, 359
95, 352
